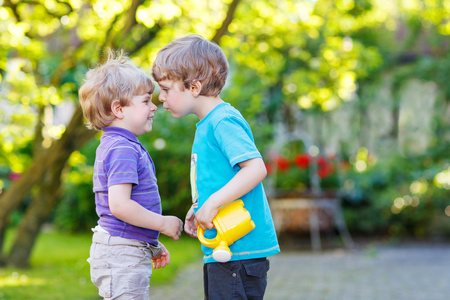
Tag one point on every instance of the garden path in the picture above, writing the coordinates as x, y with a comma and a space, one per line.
401, 272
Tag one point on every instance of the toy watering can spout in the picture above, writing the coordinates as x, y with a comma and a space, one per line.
232, 222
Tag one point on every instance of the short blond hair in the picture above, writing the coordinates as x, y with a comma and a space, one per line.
117, 79
192, 58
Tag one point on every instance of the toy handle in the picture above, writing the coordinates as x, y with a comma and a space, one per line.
211, 243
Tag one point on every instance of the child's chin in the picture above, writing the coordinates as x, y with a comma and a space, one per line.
177, 116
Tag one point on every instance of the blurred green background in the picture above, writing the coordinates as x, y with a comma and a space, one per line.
365, 83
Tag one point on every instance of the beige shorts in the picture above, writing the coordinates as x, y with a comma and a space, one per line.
121, 268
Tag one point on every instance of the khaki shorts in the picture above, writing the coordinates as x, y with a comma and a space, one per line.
121, 268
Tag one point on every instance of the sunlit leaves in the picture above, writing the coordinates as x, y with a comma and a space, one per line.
40, 19
6, 24
179, 18
16, 133
107, 9
442, 179
305, 46
76, 159
19, 83
154, 11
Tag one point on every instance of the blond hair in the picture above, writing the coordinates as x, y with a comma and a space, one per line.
192, 58
117, 79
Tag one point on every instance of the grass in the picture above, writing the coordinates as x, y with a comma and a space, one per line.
59, 269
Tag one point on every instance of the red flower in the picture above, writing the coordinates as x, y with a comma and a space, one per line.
302, 161
13, 176
321, 161
325, 170
268, 168
282, 163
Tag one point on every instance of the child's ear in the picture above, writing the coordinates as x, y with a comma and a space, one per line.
196, 88
116, 109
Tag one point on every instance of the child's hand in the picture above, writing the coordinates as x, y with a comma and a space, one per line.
162, 260
172, 227
206, 214
190, 223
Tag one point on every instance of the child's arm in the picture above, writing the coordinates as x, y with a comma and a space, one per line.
252, 172
133, 213
190, 224
162, 260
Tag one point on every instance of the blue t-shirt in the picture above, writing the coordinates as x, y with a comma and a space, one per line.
223, 139
121, 158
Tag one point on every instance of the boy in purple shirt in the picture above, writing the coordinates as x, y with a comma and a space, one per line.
116, 98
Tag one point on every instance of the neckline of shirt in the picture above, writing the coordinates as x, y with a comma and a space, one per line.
122, 132
211, 113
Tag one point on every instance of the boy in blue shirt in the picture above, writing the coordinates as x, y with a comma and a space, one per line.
225, 165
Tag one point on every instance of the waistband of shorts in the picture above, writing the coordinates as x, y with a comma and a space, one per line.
107, 239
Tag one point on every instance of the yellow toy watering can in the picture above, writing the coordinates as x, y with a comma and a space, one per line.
232, 222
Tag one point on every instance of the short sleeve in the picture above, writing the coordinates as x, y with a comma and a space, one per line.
236, 140
121, 164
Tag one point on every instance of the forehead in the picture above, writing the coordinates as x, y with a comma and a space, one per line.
141, 97
169, 83
142, 89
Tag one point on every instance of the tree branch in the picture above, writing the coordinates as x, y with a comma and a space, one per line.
69, 7
108, 36
151, 33
38, 138
131, 18
13, 7
130, 22
224, 27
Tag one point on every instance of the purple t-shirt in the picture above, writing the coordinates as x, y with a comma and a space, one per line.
121, 158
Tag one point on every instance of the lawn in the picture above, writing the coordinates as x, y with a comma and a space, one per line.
59, 269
